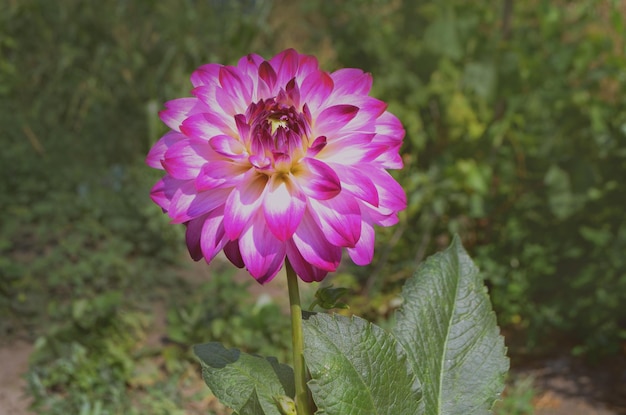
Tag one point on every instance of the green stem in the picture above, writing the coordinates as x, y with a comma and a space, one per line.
302, 394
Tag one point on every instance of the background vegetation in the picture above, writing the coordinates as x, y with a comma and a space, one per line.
516, 130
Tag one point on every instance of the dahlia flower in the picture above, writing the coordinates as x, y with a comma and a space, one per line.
277, 159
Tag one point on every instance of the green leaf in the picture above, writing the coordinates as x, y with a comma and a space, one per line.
329, 297
449, 332
357, 368
250, 385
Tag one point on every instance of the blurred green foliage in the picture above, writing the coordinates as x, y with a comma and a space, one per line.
516, 138
516, 129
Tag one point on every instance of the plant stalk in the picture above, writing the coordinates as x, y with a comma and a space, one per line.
302, 392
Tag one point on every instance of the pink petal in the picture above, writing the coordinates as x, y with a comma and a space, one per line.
313, 246
250, 63
237, 85
184, 159
231, 250
262, 253
207, 125
390, 133
315, 89
157, 152
389, 126
369, 110
318, 180
303, 269
318, 145
243, 203
161, 193
268, 75
207, 95
192, 237
206, 74
307, 65
391, 195
334, 118
220, 174
339, 219
227, 146
230, 104
213, 237
249, 68
285, 65
283, 207
187, 204
354, 149
363, 251
378, 218
351, 81
176, 111
356, 181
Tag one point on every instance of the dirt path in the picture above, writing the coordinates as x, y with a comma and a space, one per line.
567, 386
13, 364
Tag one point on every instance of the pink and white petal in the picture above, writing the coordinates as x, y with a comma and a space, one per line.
262, 253
283, 207
353, 149
268, 76
363, 251
351, 81
391, 195
238, 85
314, 247
206, 74
369, 110
355, 180
377, 218
184, 159
176, 111
227, 146
249, 67
389, 132
307, 65
390, 158
250, 63
390, 127
334, 119
315, 89
229, 103
338, 218
162, 192
243, 203
157, 152
213, 237
188, 204
208, 96
285, 65
317, 179
207, 125
303, 269
192, 237
220, 174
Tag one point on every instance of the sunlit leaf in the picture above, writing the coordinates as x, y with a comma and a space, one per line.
357, 368
449, 331
248, 384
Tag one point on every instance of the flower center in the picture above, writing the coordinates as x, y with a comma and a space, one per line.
279, 134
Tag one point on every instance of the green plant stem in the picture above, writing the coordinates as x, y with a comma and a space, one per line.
302, 394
